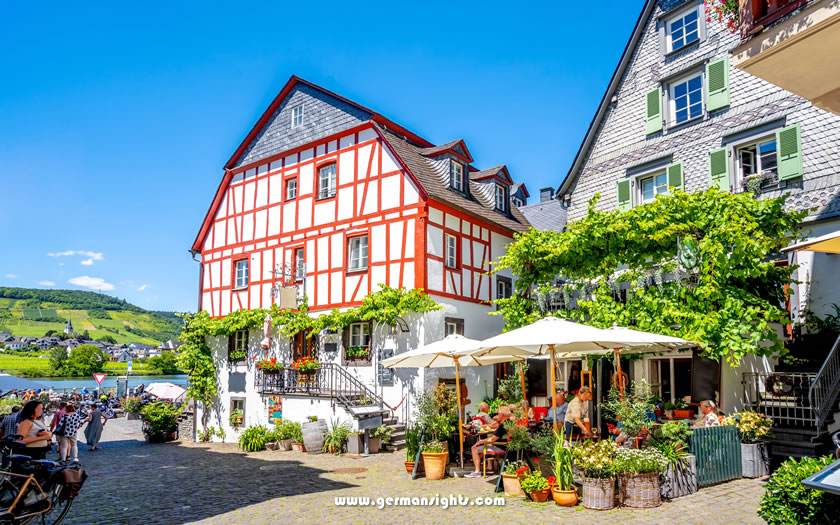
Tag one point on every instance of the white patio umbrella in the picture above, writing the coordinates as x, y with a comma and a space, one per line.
560, 338
168, 391
451, 351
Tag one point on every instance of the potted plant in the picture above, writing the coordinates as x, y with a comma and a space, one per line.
563, 491
132, 406
515, 471
669, 409
237, 355
543, 444
656, 401
357, 353
638, 476
379, 438
269, 366
434, 418
682, 410
633, 411
680, 478
412, 446
306, 365
595, 459
160, 421
236, 417
253, 438
336, 437
537, 487
271, 439
754, 429
287, 432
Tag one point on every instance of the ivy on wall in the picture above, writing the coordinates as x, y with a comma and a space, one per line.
196, 357
701, 266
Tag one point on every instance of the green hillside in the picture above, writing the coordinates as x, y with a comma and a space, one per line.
33, 312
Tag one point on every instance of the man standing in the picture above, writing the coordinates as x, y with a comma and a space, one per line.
578, 408
10, 422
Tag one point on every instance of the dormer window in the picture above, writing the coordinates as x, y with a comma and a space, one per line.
456, 175
501, 198
517, 202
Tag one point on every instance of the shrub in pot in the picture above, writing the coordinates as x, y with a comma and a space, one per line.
160, 419
537, 487
595, 459
434, 415
638, 476
412, 446
336, 437
753, 429
379, 438
680, 478
511, 480
253, 438
287, 432
563, 491
787, 501
435, 458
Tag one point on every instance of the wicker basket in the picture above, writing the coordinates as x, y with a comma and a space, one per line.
598, 494
639, 490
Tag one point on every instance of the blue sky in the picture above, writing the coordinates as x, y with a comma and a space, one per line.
116, 120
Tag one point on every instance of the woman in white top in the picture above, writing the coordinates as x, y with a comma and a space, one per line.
34, 431
67, 429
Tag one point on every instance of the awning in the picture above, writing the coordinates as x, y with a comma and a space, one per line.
829, 243
9, 382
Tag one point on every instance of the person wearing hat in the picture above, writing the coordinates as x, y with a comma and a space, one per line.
578, 408
556, 414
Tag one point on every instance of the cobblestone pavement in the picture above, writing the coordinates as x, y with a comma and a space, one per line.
182, 482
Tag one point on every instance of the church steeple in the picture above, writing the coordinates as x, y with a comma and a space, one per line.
68, 328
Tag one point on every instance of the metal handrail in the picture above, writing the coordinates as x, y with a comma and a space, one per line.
826, 385
328, 380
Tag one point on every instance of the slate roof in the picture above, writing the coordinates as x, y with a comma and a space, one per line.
547, 216
435, 150
424, 172
490, 172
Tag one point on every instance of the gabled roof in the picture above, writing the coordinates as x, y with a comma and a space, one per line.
498, 172
638, 31
520, 186
547, 216
457, 146
418, 165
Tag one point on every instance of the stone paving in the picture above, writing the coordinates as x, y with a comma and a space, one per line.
183, 482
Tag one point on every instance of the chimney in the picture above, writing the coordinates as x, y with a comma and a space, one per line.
546, 194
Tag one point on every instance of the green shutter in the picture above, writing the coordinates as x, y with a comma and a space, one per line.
719, 169
625, 198
789, 152
675, 176
717, 84
653, 111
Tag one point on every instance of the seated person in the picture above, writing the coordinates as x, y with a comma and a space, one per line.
499, 435
708, 415
484, 413
560, 414
527, 410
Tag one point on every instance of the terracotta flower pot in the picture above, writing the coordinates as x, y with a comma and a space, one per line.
285, 444
682, 414
298, 447
409, 466
512, 485
540, 496
435, 464
565, 498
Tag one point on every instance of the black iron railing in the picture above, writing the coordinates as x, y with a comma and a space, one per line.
826, 386
330, 380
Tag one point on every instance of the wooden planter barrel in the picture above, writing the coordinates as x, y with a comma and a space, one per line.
313, 436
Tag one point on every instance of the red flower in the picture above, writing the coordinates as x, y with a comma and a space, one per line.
520, 470
536, 460
551, 480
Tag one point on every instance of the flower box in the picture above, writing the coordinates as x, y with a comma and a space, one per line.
683, 414
680, 482
512, 485
755, 460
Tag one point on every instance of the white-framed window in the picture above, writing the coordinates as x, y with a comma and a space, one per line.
451, 251
652, 185
241, 277
670, 377
501, 198
453, 325
757, 158
517, 202
300, 265
359, 334
291, 188
358, 253
457, 176
297, 115
326, 181
685, 98
504, 288
683, 29
237, 344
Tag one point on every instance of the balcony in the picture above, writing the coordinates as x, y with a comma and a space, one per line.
793, 44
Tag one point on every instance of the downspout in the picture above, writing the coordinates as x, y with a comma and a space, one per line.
197, 253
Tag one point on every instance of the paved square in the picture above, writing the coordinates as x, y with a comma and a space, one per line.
134, 482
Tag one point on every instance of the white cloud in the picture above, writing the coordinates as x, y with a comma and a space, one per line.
143, 287
91, 256
11, 276
94, 283
46, 283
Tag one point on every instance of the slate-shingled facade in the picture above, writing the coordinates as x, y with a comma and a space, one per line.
633, 136
617, 147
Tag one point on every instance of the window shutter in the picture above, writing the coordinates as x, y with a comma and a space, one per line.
653, 111
789, 152
625, 200
675, 176
717, 84
719, 169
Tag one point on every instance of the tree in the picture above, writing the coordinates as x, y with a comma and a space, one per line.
107, 339
83, 361
86, 336
698, 266
164, 363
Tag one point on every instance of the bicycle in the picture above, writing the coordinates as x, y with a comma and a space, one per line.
35, 491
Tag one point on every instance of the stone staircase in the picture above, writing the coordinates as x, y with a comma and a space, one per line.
398, 434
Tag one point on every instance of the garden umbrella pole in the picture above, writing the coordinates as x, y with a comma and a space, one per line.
458, 397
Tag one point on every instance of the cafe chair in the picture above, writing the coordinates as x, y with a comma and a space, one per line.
494, 455
540, 413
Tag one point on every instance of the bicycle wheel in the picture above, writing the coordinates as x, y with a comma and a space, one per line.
58, 511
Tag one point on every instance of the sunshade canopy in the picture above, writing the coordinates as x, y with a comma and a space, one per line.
9, 382
444, 353
166, 391
829, 243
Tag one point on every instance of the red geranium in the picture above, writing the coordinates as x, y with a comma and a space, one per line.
551, 480
522, 470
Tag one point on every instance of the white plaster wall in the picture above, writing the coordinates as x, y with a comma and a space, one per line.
818, 272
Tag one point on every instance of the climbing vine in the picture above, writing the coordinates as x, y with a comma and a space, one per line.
699, 266
196, 356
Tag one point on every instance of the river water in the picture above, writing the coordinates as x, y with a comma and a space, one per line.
110, 381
